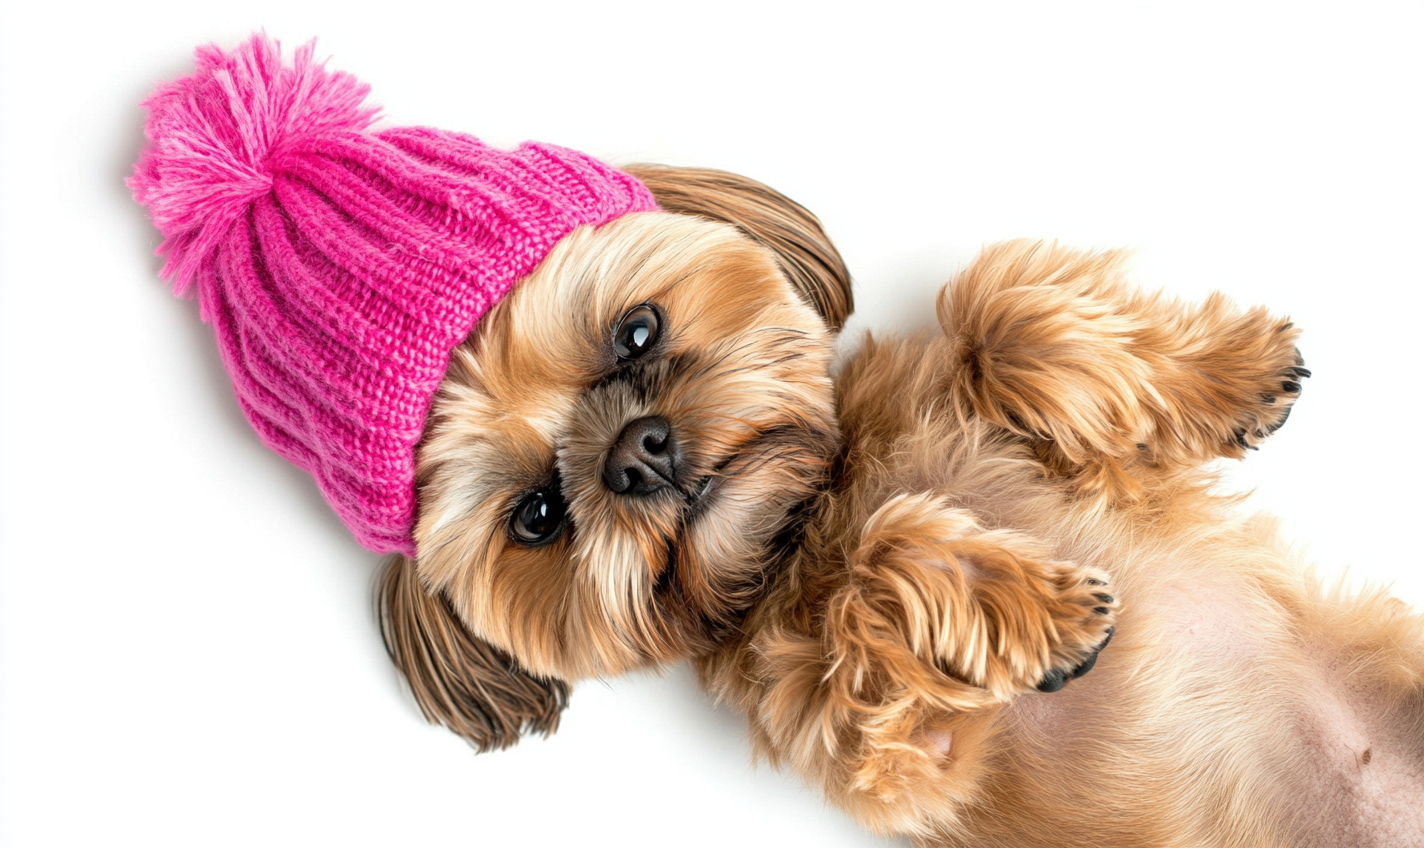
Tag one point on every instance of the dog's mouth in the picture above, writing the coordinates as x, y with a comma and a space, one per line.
702, 491
733, 519
698, 491
698, 496
761, 451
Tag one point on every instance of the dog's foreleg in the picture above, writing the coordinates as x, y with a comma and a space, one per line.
1110, 384
934, 625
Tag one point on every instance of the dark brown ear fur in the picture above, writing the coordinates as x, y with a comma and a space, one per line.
807, 256
459, 681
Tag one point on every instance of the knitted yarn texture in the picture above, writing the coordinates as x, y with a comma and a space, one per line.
339, 266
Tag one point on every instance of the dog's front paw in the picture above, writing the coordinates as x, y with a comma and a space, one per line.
990, 613
1276, 396
1044, 621
1083, 614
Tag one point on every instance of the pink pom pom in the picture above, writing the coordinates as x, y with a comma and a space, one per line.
216, 140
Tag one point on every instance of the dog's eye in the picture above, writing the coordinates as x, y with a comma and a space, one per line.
537, 518
636, 332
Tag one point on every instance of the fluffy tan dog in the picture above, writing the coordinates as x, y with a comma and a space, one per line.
642, 457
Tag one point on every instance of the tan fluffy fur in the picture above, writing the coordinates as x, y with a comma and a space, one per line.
883, 568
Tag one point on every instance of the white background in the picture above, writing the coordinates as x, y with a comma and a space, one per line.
188, 654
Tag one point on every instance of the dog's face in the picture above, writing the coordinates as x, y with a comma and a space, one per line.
613, 453
614, 459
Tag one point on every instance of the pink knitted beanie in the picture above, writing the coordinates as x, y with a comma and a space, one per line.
340, 266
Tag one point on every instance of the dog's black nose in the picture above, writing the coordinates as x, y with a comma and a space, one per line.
643, 459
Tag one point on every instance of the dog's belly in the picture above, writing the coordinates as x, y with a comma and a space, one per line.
1208, 723
1366, 747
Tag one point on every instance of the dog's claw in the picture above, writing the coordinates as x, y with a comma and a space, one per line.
1087, 665
1054, 681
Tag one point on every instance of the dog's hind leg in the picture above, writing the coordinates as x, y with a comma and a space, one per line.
1110, 384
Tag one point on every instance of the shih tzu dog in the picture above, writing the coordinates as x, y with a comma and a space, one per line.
633, 446
891, 572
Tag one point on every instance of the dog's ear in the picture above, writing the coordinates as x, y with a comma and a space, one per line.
807, 256
460, 681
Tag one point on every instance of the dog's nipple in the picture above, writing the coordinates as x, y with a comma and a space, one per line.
938, 742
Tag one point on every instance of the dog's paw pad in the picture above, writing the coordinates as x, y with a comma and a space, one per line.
1056, 679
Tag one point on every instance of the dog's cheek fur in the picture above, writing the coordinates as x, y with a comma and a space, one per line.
754, 405
750, 514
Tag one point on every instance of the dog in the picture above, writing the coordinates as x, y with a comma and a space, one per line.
599, 416
897, 565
